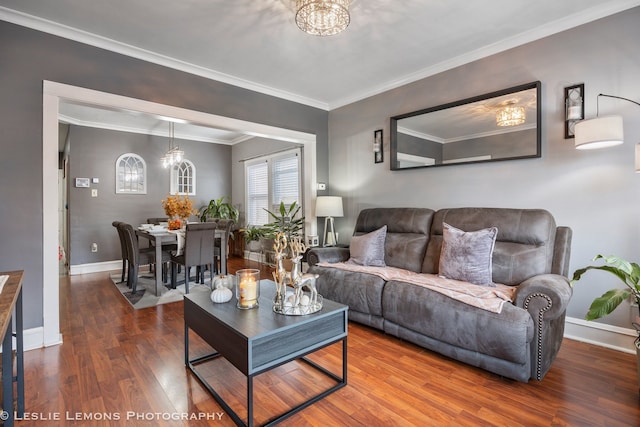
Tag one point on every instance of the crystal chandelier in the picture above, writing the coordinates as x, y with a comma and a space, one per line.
175, 154
510, 115
322, 17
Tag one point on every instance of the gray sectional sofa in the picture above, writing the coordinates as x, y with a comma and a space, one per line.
530, 253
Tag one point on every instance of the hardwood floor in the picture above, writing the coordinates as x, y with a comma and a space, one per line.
127, 365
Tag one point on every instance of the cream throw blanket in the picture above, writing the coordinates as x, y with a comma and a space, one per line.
484, 297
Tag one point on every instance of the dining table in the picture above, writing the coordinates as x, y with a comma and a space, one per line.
163, 236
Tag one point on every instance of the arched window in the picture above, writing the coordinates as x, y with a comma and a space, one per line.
131, 174
183, 178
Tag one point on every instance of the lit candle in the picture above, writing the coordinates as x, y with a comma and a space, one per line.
248, 288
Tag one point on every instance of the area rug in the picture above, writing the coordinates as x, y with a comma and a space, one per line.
145, 291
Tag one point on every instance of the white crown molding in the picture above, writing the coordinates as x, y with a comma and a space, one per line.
74, 34
144, 131
578, 18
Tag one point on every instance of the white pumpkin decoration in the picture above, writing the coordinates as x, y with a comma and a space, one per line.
221, 294
224, 280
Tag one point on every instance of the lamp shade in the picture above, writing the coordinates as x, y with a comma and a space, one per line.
329, 206
637, 158
600, 132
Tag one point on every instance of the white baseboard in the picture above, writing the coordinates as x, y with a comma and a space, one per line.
34, 338
95, 267
613, 337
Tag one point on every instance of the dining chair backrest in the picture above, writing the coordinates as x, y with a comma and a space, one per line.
131, 242
199, 243
123, 246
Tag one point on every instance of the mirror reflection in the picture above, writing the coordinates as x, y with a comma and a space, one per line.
501, 125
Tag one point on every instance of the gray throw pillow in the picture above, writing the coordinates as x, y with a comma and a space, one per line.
466, 255
368, 249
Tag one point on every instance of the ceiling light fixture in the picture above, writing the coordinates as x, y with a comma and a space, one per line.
510, 115
322, 17
175, 154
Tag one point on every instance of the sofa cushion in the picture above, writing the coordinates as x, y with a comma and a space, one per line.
368, 249
407, 233
524, 245
466, 255
505, 335
360, 291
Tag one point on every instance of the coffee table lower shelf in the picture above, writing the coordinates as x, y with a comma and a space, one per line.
340, 382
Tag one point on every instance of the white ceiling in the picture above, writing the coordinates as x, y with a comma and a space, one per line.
256, 44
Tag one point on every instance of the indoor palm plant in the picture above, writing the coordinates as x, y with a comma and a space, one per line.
629, 274
285, 221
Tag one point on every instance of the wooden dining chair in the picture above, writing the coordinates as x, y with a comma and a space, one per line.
227, 226
198, 251
137, 256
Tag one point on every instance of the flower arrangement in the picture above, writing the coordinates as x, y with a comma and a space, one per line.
178, 207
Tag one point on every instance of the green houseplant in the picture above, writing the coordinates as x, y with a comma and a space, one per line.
219, 208
629, 275
627, 272
252, 235
285, 221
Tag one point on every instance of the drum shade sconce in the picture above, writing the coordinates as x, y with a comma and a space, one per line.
601, 132
573, 108
604, 131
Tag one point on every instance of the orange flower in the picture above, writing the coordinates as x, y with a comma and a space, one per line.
178, 206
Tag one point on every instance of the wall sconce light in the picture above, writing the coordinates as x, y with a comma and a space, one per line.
573, 108
378, 152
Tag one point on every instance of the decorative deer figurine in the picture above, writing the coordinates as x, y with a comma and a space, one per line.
300, 280
280, 276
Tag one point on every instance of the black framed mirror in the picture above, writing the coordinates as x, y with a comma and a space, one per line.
501, 125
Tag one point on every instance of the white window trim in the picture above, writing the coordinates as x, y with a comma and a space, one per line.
173, 184
119, 189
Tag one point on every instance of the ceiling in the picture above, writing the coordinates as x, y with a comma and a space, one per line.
257, 45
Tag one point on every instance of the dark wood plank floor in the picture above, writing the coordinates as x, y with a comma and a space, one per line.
117, 362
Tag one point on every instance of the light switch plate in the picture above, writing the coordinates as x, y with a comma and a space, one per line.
94, 192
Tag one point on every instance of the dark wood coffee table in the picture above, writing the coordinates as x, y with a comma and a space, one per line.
257, 340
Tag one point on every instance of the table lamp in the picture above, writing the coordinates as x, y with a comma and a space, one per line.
329, 207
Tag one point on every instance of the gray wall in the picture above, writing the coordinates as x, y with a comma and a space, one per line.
27, 57
93, 155
594, 192
503, 145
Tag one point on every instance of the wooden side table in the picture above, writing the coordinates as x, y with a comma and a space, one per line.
10, 300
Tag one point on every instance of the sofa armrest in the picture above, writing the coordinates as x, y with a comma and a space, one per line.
545, 297
546, 294
329, 254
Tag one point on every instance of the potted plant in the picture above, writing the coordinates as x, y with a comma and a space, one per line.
219, 208
285, 221
252, 235
629, 274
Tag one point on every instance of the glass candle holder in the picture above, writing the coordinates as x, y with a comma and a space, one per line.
248, 288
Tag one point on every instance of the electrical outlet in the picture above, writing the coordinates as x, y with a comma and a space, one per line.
94, 247
322, 186
94, 192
